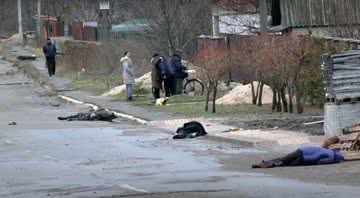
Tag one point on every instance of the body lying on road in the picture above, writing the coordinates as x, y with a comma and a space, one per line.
304, 156
98, 115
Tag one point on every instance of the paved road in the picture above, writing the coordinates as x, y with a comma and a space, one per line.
44, 157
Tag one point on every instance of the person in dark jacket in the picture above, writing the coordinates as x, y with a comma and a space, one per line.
179, 71
168, 76
303, 157
49, 51
162, 72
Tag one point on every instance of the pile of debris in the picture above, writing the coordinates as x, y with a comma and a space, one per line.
242, 94
349, 145
342, 77
144, 82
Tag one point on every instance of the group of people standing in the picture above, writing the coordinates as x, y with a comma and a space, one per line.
165, 75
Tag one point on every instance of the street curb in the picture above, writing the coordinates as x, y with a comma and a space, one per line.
144, 122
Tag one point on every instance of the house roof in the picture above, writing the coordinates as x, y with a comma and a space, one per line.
135, 25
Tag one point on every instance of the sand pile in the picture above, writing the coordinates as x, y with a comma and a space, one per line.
144, 82
241, 94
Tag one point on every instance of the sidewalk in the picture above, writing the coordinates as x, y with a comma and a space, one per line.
276, 139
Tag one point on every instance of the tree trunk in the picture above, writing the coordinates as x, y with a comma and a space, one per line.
291, 95
214, 98
253, 94
283, 98
260, 94
208, 92
278, 105
274, 100
299, 100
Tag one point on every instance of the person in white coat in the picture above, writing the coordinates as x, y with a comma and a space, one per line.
128, 75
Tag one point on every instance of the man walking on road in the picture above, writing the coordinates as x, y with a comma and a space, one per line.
50, 53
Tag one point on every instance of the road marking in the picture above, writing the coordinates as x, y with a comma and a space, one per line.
8, 142
133, 188
51, 158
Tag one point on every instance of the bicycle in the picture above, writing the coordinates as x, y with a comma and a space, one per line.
193, 86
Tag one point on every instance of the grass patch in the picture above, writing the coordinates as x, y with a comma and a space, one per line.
94, 84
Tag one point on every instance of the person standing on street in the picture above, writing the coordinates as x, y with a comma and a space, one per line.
128, 75
49, 51
179, 69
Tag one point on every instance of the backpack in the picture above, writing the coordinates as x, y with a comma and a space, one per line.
190, 130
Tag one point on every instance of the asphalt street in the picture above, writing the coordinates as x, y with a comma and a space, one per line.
43, 157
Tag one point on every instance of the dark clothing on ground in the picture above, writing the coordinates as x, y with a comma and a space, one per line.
190, 130
99, 115
293, 159
50, 54
304, 156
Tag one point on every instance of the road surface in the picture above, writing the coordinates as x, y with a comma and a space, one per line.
43, 157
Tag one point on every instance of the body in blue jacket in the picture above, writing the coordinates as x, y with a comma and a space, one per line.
304, 156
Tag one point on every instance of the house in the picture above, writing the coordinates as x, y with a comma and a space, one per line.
235, 17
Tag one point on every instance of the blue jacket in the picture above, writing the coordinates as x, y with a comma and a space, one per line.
318, 155
49, 50
177, 66
165, 68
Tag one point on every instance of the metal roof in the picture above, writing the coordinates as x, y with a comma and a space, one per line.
316, 13
135, 25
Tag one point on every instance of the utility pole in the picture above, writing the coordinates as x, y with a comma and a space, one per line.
38, 24
263, 16
20, 21
66, 18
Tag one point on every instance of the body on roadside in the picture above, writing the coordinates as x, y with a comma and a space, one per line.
128, 75
303, 157
49, 51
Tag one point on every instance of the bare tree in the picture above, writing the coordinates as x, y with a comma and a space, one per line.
173, 24
214, 65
